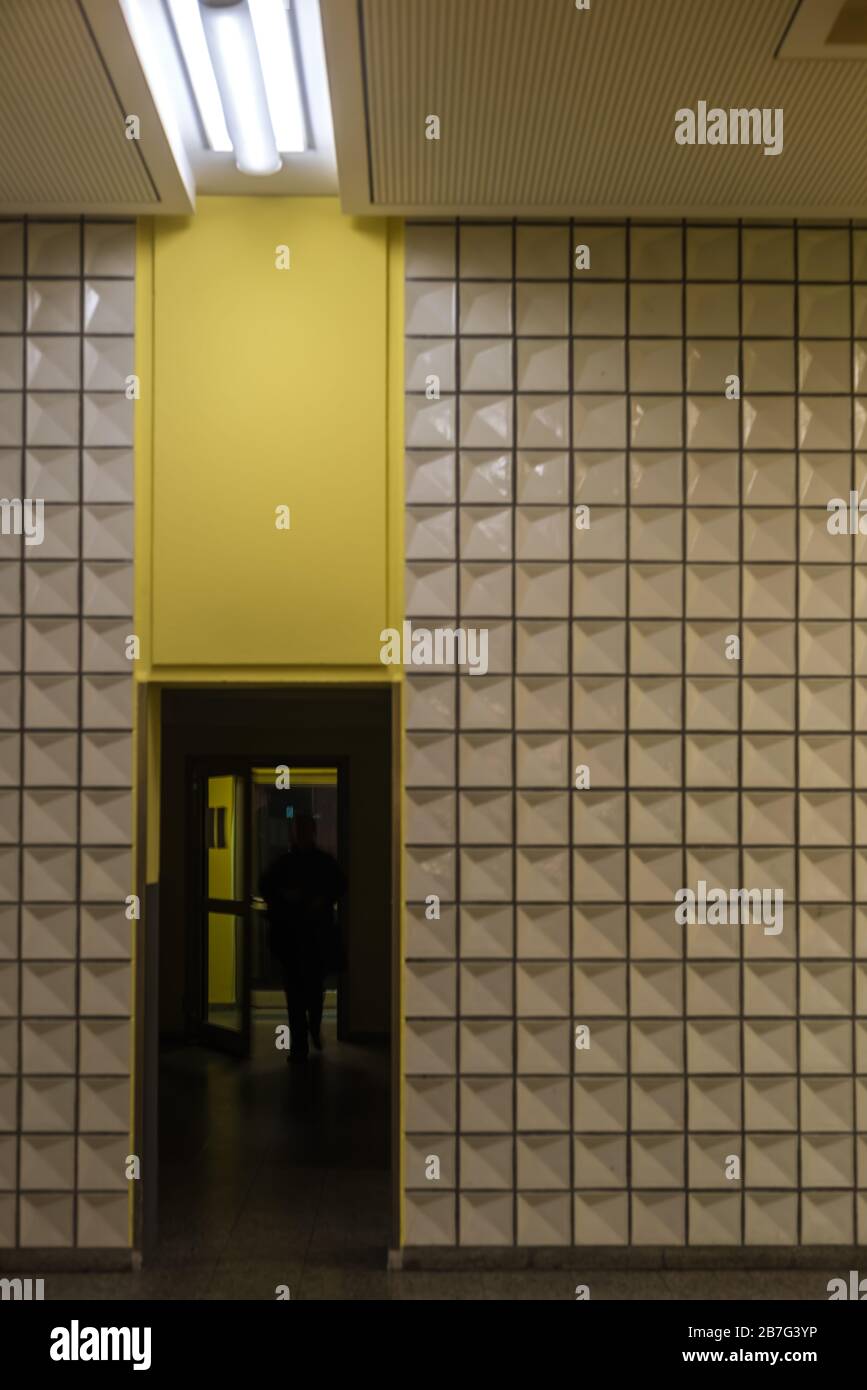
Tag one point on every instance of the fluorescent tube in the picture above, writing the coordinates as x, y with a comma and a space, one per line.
280, 74
187, 21
235, 58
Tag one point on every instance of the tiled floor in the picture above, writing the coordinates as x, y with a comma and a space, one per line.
272, 1176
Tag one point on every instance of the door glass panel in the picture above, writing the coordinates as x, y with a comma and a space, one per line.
225, 914
225, 970
224, 838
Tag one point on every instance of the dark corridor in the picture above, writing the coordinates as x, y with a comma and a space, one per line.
274, 1175
271, 1175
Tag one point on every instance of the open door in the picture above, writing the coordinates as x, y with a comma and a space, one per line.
223, 909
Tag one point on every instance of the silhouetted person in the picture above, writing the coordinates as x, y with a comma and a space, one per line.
300, 889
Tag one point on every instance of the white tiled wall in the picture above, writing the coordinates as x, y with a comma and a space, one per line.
605, 387
66, 351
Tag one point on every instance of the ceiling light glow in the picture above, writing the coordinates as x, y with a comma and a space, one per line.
280, 73
241, 61
190, 32
235, 57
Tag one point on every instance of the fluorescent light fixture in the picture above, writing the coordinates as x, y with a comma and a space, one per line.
240, 58
232, 46
194, 47
280, 73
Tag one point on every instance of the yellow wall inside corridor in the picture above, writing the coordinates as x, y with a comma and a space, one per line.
265, 388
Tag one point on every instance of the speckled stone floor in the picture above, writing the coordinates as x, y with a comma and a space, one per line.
271, 1175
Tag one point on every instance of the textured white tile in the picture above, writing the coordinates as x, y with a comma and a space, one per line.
429, 533
486, 251
429, 424
11, 248
107, 588
485, 533
823, 253
656, 253
825, 422
11, 418
486, 421
486, 590
486, 364
599, 309
103, 645
542, 364
107, 475
599, 422
108, 362
429, 251
542, 308
106, 759
108, 419
109, 248
542, 252
11, 365
109, 306
53, 418
486, 307
486, 476
46, 1220
105, 874
430, 307
51, 589
60, 541
542, 477
52, 474
430, 589
108, 532
54, 248
656, 422
824, 311
542, 533
543, 422
53, 306
107, 701
11, 306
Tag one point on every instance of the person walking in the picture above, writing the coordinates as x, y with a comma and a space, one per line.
300, 889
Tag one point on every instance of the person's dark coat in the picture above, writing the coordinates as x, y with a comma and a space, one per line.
300, 889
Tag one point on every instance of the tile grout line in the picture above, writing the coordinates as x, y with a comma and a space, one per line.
571, 500
79, 745
740, 749
853, 719
684, 830
796, 328
458, 367
21, 718
513, 515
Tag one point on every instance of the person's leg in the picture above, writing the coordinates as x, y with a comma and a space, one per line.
315, 999
293, 985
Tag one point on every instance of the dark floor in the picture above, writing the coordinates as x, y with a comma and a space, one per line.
270, 1172
272, 1175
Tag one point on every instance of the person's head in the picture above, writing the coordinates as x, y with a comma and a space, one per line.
303, 832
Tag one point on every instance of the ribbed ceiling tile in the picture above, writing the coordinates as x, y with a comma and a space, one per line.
542, 105
62, 138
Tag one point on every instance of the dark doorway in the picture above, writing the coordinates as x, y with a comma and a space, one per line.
241, 816
258, 1160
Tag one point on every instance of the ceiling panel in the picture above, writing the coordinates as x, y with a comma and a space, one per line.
69, 76
546, 108
62, 137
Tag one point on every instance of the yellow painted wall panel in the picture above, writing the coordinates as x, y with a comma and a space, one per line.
269, 389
